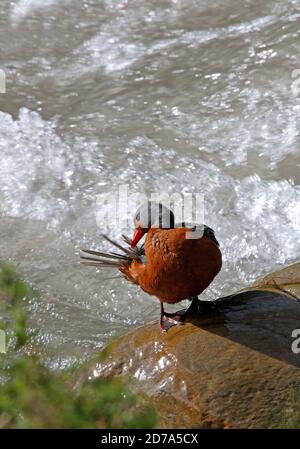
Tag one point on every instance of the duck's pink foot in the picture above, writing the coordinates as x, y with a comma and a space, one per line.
168, 320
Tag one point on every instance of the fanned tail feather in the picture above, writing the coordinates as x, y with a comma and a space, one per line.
112, 259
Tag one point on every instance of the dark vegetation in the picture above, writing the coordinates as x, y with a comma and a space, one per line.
32, 396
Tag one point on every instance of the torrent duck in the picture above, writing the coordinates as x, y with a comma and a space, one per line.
174, 263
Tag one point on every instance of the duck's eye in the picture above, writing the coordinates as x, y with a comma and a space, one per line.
138, 216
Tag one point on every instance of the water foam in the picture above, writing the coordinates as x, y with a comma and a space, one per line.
35, 172
23, 8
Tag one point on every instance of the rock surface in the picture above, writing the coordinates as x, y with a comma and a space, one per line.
286, 280
232, 367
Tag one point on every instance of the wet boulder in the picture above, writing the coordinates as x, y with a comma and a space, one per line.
231, 367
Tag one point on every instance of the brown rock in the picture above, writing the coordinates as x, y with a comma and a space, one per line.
286, 280
231, 367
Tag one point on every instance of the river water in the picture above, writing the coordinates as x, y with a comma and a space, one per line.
173, 96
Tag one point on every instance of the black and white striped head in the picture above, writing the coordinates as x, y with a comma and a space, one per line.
151, 215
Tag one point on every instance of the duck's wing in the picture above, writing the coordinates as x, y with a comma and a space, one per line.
210, 233
201, 230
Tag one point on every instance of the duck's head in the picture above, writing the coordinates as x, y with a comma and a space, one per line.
151, 215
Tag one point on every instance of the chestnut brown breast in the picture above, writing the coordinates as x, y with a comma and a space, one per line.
177, 267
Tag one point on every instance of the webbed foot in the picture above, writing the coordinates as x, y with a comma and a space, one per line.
168, 320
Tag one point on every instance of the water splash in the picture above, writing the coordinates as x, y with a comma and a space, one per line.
23, 8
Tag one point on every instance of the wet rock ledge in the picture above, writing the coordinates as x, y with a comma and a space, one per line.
232, 367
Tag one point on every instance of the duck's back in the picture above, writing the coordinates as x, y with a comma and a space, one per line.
181, 262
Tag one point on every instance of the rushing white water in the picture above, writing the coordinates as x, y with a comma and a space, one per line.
173, 96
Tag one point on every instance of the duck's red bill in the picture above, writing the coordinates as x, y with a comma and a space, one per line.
138, 234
